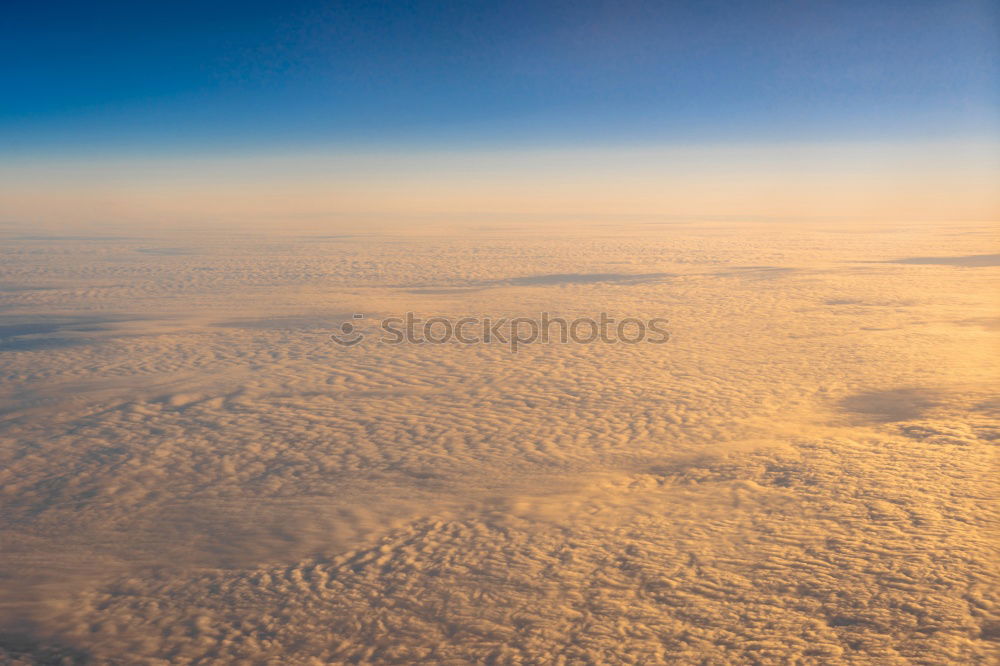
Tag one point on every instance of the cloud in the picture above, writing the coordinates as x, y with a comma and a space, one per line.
207, 478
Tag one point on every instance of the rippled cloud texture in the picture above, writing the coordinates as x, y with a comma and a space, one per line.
193, 472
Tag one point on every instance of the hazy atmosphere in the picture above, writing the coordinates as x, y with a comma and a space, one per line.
505, 333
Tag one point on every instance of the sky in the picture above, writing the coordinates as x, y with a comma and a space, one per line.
124, 85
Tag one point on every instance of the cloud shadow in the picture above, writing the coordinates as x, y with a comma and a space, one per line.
548, 280
34, 335
902, 404
968, 261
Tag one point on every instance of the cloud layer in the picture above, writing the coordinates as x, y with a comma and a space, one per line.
191, 471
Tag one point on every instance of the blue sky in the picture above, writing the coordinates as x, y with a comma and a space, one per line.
164, 77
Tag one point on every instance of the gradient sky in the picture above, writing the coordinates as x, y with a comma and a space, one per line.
266, 72
107, 80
